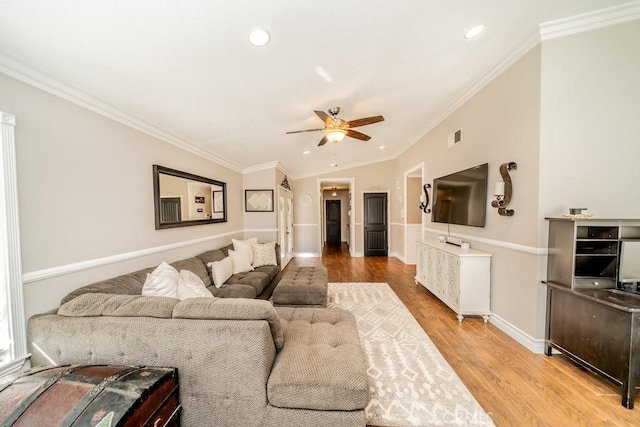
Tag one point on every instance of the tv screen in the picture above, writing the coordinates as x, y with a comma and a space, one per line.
629, 262
461, 198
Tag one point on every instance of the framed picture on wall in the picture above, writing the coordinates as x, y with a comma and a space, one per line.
258, 200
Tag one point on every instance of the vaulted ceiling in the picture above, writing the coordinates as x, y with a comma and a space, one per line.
185, 71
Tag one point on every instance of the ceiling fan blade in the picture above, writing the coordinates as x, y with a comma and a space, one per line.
323, 141
300, 131
357, 135
365, 121
324, 116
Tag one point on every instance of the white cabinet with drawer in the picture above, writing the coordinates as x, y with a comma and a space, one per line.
458, 277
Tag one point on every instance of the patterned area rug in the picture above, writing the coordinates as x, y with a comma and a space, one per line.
410, 382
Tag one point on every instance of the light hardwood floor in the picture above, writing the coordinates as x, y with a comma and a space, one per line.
515, 386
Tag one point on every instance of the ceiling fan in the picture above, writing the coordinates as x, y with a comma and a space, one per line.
335, 129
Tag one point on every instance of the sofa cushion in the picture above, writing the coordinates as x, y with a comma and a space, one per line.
211, 256
162, 282
271, 270
196, 265
322, 366
191, 286
232, 309
255, 279
241, 262
235, 290
221, 271
245, 246
93, 305
264, 254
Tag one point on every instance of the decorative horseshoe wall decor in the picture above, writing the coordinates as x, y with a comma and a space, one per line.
502, 201
424, 205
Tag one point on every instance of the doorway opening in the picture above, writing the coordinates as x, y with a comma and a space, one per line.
336, 213
414, 217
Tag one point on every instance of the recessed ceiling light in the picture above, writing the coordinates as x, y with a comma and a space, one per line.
382, 147
474, 31
306, 152
259, 37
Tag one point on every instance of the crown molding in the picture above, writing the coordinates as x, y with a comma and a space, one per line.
590, 20
260, 167
29, 75
265, 166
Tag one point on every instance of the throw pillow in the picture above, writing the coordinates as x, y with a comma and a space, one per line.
191, 286
162, 282
221, 271
245, 245
241, 263
264, 254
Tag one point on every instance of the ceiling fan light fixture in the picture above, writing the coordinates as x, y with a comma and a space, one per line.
335, 135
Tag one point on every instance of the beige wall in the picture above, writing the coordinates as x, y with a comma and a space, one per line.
86, 193
414, 191
590, 123
263, 225
500, 124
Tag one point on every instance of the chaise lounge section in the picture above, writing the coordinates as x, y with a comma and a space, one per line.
241, 361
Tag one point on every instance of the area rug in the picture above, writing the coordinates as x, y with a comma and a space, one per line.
410, 382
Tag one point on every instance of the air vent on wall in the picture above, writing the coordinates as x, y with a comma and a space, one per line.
455, 138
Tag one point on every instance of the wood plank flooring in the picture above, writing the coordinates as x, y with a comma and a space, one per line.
515, 386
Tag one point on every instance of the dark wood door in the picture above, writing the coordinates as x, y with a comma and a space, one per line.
375, 224
334, 223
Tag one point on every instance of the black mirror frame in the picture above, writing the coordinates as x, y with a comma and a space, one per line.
157, 170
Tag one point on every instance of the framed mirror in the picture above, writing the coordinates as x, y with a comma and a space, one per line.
182, 199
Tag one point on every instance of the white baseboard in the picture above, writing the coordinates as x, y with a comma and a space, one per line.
307, 255
532, 344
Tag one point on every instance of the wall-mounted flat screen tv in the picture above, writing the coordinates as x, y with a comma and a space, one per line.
461, 198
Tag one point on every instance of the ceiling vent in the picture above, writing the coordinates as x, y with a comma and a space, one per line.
455, 138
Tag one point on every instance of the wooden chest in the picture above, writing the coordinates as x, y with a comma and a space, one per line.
92, 395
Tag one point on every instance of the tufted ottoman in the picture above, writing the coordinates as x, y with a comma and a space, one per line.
322, 365
302, 286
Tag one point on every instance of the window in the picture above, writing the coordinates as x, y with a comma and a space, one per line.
13, 344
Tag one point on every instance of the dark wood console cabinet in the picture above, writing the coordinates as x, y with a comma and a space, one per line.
598, 330
592, 317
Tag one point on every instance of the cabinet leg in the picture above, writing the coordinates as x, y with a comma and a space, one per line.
460, 317
628, 395
485, 318
549, 351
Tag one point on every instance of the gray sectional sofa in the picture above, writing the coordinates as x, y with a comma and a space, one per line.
253, 284
241, 361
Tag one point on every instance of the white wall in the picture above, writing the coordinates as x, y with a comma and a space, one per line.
86, 193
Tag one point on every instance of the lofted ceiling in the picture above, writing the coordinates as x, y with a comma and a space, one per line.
184, 70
